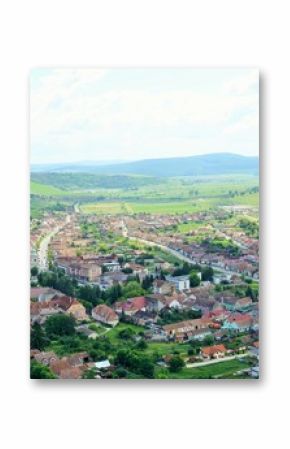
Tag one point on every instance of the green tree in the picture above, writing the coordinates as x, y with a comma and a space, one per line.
209, 340
176, 364
141, 345
194, 279
34, 271
37, 337
207, 274
60, 325
132, 289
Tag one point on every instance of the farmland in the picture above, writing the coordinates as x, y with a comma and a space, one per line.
105, 194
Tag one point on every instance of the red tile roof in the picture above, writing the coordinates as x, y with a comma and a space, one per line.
211, 350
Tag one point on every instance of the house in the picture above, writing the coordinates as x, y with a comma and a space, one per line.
103, 365
144, 317
155, 302
65, 368
180, 282
213, 352
46, 358
137, 269
112, 277
199, 334
233, 303
105, 315
112, 266
78, 311
162, 287
43, 293
40, 311
70, 306
131, 306
186, 326
238, 322
172, 302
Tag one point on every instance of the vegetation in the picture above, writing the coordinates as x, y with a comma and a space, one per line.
39, 371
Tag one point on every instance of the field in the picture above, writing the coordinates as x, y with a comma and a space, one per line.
136, 194
221, 370
173, 207
43, 189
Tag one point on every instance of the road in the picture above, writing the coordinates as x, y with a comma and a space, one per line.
43, 246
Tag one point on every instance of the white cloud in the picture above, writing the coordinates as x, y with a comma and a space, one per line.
69, 111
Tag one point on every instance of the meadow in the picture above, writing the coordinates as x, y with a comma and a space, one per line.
133, 195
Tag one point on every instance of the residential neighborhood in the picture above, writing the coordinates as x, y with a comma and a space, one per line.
108, 290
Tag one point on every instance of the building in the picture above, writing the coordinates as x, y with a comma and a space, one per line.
180, 282
213, 352
105, 315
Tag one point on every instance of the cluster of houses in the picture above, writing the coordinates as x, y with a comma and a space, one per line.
71, 367
246, 263
222, 314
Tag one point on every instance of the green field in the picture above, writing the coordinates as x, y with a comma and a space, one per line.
221, 370
43, 189
174, 207
124, 195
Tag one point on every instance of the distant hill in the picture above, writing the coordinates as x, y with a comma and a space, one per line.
209, 164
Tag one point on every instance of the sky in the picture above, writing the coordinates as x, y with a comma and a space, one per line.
129, 114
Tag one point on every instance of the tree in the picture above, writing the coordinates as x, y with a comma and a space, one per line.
176, 364
146, 367
133, 289
60, 325
142, 345
38, 371
208, 340
126, 334
147, 282
34, 271
207, 274
194, 279
37, 337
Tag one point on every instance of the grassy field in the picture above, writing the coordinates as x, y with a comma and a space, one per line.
168, 196
183, 228
221, 370
43, 189
174, 207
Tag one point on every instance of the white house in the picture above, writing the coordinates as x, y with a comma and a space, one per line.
180, 282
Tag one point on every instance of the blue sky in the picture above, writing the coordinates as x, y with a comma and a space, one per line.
114, 114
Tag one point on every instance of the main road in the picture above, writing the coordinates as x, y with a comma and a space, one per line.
43, 246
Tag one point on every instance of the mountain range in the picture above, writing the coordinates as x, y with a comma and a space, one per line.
208, 164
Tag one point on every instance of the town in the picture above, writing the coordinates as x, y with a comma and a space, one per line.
145, 295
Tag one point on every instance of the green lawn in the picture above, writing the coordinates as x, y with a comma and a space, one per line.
224, 370
113, 333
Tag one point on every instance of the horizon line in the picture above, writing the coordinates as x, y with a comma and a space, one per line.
121, 161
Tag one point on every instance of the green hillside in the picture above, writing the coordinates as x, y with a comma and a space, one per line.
42, 189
